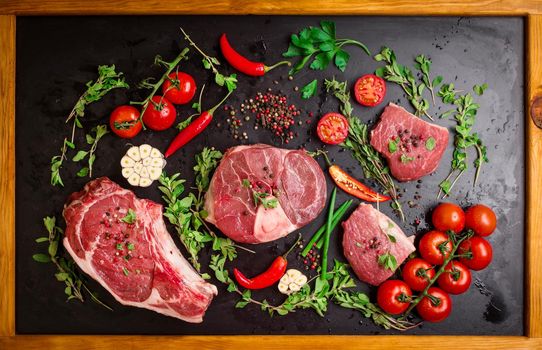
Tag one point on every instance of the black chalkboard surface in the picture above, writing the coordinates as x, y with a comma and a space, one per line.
57, 55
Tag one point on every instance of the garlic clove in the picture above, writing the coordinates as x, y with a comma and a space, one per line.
134, 179
145, 151
133, 152
283, 288
155, 153
145, 182
127, 172
127, 162
154, 173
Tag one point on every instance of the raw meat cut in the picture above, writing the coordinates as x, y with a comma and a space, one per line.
122, 242
369, 234
260, 193
413, 147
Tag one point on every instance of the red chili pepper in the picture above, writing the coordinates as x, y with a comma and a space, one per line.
353, 187
193, 129
267, 278
243, 64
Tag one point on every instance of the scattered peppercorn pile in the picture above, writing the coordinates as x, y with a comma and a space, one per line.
271, 111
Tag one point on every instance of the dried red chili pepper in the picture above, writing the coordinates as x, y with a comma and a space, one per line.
193, 129
272, 275
243, 64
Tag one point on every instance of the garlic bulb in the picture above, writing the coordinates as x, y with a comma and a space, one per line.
142, 165
292, 281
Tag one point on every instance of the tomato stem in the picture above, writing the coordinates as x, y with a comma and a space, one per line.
170, 66
455, 246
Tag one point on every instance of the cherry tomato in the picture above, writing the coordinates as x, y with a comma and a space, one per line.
160, 114
455, 279
393, 296
417, 273
180, 88
370, 90
435, 246
480, 251
448, 216
332, 128
481, 219
124, 121
436, 306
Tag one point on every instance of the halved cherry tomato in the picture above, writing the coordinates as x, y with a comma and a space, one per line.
436, 306
332, 128
448, 216
124, 121
417, 273
179, 88
479, 251
481, 219
370, 90
353, 187
455, 279
394, 296
435, 246
160, 114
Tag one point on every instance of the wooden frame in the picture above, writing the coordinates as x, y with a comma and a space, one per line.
530, 9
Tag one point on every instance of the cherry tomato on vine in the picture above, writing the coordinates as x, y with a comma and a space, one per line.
448, 216
179, 88
417, 273
124, 121
436, 306
435, 246
455, 279
394, 296
481, 219
370, 90
332, 128
480, 252
160, 114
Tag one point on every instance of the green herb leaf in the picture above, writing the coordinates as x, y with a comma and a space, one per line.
42, 258
309, 90
479, 89
184, 123
79, 156
130, 217
83, 172
246, 183
430, 143
125, 271
341, 59
406, 159
392, 146
387, 261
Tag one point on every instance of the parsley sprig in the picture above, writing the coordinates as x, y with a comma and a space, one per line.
465, 117
403, 76
322, 46
358, 142
211, 63
67, 270
108, 79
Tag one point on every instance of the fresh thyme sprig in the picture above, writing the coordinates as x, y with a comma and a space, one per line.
146, 83
108, 79
321, 45
358, 142
210, 63
403, 76
465, 116
67, 271
99, 132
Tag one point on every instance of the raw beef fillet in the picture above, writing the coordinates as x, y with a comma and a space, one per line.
122, 242
260, 193
369, 234
413, 147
